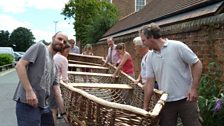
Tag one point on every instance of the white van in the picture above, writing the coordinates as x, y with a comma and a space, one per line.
8, 50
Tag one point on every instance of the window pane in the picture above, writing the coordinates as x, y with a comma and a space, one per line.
140, 4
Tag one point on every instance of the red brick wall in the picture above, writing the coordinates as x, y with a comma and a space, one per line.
207, 43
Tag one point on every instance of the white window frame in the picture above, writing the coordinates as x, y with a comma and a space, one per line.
136, 4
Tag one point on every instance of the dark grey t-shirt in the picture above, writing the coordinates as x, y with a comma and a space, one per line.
41, 73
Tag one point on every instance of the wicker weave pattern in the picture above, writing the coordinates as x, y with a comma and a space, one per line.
95, 79
88, 112
92, 70
100, 106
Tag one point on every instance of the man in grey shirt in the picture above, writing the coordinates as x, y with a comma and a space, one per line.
178, 71
74, 48
38, 74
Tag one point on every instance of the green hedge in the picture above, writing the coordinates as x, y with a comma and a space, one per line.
6, 59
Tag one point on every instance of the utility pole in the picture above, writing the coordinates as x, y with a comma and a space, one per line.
55, 26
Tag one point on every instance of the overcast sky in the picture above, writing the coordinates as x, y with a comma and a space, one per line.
37, 15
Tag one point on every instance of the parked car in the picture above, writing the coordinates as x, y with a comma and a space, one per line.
21, 53
8, 50
17, 56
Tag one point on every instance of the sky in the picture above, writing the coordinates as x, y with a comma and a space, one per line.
37, 15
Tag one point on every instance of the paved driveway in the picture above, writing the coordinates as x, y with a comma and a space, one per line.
8, 83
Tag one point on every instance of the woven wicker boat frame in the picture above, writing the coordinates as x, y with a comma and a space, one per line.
105, 101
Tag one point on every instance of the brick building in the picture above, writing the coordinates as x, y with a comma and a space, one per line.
198, 23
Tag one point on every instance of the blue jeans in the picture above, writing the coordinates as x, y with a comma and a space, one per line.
30, 116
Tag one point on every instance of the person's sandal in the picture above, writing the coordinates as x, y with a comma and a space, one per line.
59, 116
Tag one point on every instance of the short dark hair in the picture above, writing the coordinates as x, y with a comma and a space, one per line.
120, 46
151, 30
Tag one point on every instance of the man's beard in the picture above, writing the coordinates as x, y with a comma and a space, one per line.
57, 47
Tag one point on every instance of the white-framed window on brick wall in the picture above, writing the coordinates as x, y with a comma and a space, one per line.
139, 4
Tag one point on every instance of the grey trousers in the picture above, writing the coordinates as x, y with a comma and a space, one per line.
187, 111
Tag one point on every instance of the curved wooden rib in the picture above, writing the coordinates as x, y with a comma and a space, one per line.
90, 74
87, 66
81, 62
86, 56
100, 85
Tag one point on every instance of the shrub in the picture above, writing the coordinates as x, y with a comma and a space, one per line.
211, 95
5, 59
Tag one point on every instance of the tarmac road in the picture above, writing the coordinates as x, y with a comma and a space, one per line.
8, 83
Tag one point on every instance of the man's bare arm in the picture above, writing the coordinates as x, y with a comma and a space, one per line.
21, 70
124, 59
196, 70
148, 91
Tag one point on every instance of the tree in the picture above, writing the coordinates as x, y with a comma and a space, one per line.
92, 18
105, 18
45, 42
22, 38
4, 39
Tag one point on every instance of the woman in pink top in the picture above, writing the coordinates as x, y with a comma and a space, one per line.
87, 51
125, 64
61, 62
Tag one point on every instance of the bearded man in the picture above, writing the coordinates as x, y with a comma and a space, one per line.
37, 74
